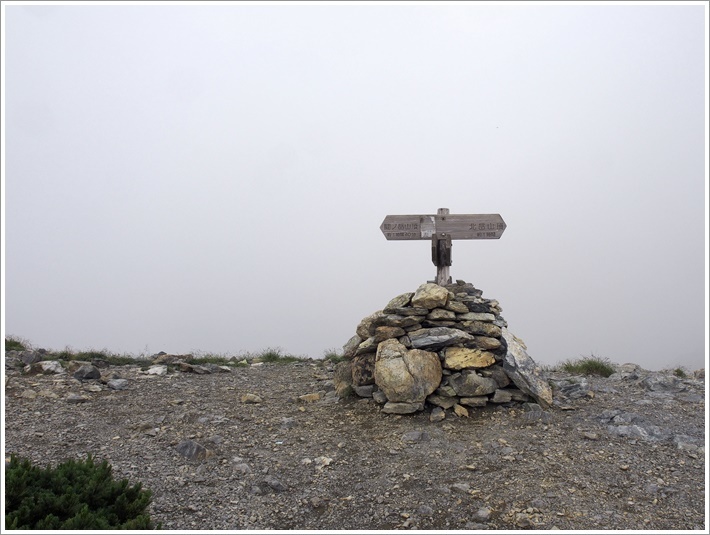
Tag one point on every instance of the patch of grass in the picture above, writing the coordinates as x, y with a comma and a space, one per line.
15, 343
333, 355
589, 366
275, 356
92, 354
680, 372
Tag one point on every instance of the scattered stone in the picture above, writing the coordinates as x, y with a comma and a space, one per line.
251, 398
159, 370
308, 398
460, 411
274, 484
87, 372
392, 407
45, 367
193, 450
437, 414
413, 437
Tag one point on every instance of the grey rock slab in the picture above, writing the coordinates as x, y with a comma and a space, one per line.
523, 371
438, 337
398, 302
402, 408
351, 346
192, 450
117, 384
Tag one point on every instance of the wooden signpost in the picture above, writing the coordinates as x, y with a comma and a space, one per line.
441, 229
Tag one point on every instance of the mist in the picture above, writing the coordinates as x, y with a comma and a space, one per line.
212, 178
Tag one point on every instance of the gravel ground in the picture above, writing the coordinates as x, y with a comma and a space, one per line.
617, 456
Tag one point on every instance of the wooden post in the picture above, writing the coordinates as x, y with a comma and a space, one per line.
443, 252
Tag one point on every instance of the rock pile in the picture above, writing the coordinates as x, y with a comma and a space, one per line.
445, 346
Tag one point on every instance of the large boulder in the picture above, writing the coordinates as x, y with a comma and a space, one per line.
406, 375
523, 371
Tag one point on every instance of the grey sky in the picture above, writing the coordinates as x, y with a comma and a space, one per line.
213, 177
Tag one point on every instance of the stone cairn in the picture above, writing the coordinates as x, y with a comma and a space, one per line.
443, 346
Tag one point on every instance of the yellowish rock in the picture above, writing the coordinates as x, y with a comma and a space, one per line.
458, 358
460, 411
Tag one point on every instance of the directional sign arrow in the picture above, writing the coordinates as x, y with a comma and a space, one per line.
457, 226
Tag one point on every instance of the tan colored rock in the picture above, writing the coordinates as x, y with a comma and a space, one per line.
343, 380
404, 375
441, 314
487, 342
363, 329
456, 306
250, 398
398, 302
458, 358
482, 328
477, 316
460, 411
310, 398
384, 332
430, 296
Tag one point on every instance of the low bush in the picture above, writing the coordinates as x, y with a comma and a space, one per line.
74, 495
589, 366
12, 343
276, 357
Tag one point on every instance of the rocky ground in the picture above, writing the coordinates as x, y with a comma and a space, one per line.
626, 452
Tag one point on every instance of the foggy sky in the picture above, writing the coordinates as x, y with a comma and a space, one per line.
212, 178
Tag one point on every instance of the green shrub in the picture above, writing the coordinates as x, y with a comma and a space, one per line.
333, 355
680, 372
589, 366
74, 495
275, 356
12, 343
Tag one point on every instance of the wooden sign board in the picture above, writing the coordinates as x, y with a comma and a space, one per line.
457, 226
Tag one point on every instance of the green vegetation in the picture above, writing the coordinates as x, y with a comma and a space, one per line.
269, 355
589, 366
333, 355
680, 372
275, 356
14, 343
74, 495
